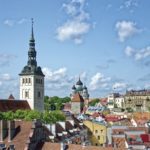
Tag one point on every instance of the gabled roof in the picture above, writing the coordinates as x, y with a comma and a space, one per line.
13, 105
77, 98
11, 97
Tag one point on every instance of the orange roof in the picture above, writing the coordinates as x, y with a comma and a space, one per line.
56, 146
77, 98
21, 138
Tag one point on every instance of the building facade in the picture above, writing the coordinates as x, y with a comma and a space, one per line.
32, 79
77, 104
137, 100
97, 132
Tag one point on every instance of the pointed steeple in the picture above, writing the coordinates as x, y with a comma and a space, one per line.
31, 67
32, 32
32, 51
79, 82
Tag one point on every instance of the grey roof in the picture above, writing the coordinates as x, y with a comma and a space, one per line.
79, 82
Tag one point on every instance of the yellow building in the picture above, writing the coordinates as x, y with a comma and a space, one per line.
97, 132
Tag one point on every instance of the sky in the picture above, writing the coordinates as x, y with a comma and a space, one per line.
105, 42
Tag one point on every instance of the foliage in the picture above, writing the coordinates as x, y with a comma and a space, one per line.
29, 115
8, 115
53, 117
94, 102
33, 114
55, 102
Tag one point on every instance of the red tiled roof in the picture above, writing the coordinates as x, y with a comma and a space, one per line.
9, 105
21, 138
145, 137
77, 98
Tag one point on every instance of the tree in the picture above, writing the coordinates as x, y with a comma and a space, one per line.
20, 114
8, 115
33, 114
93, 102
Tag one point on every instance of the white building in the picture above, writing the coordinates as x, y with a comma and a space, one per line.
32, 79
119, 101
115, 100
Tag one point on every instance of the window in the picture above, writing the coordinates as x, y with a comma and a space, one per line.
29, 80
26, 94
39, 94
98, 137
26, 80
96, 131
23, 80
101, 131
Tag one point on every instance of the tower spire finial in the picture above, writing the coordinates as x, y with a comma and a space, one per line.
32, 33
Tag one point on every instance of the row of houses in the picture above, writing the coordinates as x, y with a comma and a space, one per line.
138, 100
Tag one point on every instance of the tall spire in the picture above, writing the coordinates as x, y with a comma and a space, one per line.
32, 51
32, 33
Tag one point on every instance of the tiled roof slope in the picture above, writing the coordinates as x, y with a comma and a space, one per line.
56, 146
13, 105
77, 98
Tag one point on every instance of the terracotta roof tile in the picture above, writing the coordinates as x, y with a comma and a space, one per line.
9, 105
77, 98
56, 146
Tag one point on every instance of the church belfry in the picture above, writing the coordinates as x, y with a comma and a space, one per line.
32, 79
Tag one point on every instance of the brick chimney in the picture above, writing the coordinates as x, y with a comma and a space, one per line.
11, 130
3, 130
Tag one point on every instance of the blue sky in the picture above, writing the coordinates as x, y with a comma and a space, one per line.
106, 42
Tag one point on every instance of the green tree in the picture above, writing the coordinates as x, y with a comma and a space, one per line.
48, 118
94, 102
33, 114
1, 116
8, 115
20, 114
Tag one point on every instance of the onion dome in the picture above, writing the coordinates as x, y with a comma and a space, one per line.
79, 82
73, 87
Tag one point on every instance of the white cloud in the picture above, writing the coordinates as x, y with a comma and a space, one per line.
6, 59
119, 86
72, 30
9, 22
55, 76
5, 77
77, 26
22, 20
126, 29
143, 53
138, 55
12, 22
98, 81
129, 5
129, 51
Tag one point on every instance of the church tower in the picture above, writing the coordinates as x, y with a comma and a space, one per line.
32, 79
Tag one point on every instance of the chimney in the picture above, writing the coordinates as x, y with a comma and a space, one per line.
11, 130
3, 130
